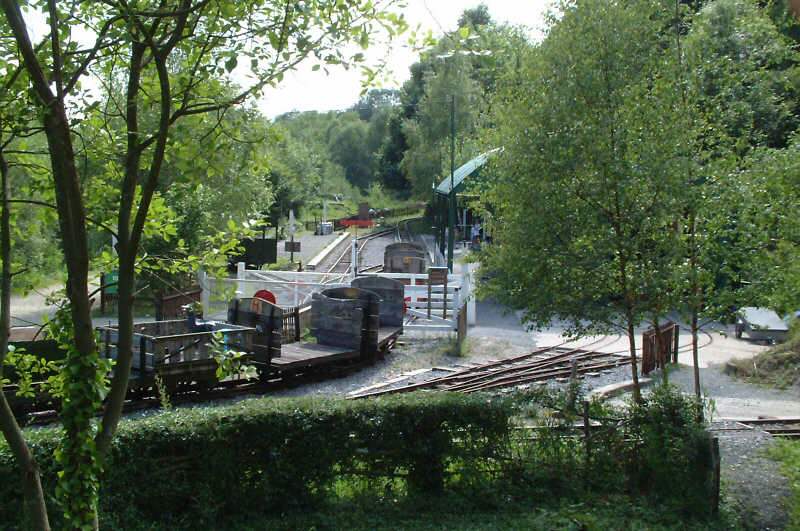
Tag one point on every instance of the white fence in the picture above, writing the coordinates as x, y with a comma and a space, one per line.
296, 288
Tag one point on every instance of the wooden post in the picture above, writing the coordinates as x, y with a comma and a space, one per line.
143, 355
587, 440
715, 477
430, 291
444, 298
297, 331
675, 343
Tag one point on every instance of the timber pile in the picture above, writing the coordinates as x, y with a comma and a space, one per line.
547, 363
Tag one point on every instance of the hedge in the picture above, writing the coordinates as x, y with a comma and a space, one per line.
279, 454
199, 466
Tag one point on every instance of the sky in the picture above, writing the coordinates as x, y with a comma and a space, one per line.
304, 89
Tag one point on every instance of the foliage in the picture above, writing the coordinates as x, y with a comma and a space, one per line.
29, 368
80, 464
262, 457
230, 363
787, 453
744, 74
586, 211
161, 67
491, 513
740, 93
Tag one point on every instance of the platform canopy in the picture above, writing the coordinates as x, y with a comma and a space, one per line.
461, 174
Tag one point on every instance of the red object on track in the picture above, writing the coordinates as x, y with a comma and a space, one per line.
266, 295
360, 223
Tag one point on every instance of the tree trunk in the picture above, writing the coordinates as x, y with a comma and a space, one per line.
662, 359
696, 363
637, 391
36, 508
35, 505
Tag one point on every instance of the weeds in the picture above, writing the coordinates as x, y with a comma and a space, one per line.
787, 453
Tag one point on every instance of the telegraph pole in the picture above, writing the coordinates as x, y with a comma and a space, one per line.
451, 217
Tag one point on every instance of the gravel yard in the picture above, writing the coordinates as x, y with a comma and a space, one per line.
753, 482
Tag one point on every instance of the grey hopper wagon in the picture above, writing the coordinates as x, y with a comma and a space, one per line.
761, 324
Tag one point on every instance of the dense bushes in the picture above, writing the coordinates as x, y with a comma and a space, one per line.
201, 466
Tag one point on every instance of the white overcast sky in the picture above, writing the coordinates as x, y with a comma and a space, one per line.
305, 90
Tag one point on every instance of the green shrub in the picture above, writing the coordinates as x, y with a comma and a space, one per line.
199, 466
673, 459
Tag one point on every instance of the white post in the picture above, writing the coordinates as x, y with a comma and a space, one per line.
472, 316
240, 276
205, 295
296, 292
354, 258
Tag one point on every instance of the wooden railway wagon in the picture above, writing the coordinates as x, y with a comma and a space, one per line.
179, 352
404, 257
350, 326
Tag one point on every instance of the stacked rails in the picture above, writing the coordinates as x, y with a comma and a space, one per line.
541, 365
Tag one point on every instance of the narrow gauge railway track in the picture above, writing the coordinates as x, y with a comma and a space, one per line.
343, 263
140, 400
788, 428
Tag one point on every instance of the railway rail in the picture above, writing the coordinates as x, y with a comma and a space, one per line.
545, 363
343, 263
777, 427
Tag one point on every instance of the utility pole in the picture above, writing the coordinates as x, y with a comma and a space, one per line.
451, 222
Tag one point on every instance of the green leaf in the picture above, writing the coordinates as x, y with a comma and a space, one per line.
231, 63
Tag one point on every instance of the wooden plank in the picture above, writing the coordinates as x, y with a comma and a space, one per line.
311, 354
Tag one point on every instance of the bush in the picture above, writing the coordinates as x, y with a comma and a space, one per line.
199, 466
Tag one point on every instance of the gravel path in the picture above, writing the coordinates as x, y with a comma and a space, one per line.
736, 399
31, 308
310, 245
752, 481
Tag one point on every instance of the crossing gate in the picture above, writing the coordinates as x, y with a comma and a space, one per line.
295, 289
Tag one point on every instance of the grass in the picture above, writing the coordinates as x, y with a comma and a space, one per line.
787, 453
777, 367
454, 513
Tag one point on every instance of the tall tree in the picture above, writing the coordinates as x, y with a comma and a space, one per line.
587, 206
165, 56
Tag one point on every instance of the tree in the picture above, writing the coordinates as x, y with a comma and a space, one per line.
739, 91
347, 148
164, 56
587, 204
375, 100
476, 17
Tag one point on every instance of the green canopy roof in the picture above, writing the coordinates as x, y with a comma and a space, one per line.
465, 171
